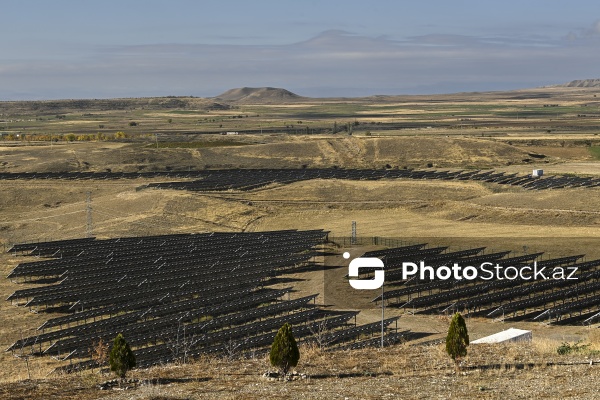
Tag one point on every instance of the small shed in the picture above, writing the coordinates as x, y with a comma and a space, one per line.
537, 173
509, 335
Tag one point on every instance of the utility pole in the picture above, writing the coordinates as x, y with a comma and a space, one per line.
88, 208
382, 308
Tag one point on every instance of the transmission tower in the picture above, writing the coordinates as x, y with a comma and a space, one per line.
88, 208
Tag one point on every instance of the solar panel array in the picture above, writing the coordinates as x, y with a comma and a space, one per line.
173, 296
560, 299
240, 179
248, 179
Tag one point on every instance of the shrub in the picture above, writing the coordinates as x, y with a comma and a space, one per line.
284, 351
457, 339
99, 352
567, 348
121, 357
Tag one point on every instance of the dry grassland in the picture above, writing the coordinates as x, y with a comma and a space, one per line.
307, 151
461, 214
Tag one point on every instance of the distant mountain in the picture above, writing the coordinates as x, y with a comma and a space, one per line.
581, 83
41, 107
259, 95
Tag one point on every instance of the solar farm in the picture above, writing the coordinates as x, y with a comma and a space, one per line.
176, 297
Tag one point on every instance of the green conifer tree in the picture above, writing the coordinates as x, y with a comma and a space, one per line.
121, 357
284, 351
457, 339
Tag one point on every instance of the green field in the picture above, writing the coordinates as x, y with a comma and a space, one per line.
595, 151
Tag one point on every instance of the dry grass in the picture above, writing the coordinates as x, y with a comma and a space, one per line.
422, 372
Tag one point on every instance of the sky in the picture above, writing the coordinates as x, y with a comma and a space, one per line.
133, 48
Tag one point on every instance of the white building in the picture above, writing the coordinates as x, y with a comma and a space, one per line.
509, 335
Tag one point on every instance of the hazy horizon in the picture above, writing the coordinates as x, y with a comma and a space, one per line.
349, 94
68, 49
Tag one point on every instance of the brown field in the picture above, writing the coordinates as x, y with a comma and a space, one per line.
559, 222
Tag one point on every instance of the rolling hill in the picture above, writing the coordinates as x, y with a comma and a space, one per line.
260, 95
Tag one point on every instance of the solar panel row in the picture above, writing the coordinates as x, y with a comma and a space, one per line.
248, 179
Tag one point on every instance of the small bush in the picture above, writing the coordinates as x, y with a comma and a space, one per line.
566, 348
99, 352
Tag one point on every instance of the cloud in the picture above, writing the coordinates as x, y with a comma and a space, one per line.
594, 30
591, 32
